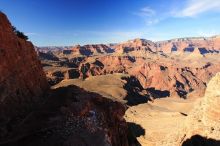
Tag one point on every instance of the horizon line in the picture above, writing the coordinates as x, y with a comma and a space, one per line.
192, 37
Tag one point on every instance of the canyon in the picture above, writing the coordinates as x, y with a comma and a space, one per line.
133, 93
163, 84
161, 71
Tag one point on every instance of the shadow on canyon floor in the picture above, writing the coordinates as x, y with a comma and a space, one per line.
136, 94
198, 140
135, 130
65, 118
158, 93
133, 88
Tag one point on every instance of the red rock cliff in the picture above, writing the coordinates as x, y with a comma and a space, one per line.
67, 116
22, 80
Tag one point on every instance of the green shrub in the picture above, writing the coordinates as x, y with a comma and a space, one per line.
19, 33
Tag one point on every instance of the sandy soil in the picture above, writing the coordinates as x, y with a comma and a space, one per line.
154, 120
160, 118
110, 86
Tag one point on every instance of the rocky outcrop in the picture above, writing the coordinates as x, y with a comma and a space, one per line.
153, 63
134, 45
204, 119
156, 73
72, 116
196, 45
211, 112
157, 77
22, 80
202, 126
64, 117
51, 48
178, 80
56, 74
47, 56
89, 50
199, 45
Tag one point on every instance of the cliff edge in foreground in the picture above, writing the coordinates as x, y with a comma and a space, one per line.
32, 115
22, 80
202, 126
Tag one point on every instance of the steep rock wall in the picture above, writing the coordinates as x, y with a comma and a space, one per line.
22, 80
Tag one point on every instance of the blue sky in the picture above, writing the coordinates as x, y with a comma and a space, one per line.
71, 22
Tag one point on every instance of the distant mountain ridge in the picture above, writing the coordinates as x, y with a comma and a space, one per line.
197, 45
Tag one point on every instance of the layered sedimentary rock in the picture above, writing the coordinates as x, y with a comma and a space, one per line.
89, 50
201, 45
205, 118
155, 72
211, 113
196, 45
51, 48
202, 126
56, 74
134, 45
172, 79
153, 63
